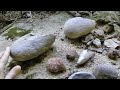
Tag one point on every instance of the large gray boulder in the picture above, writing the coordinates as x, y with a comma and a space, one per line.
78, 26
31, 46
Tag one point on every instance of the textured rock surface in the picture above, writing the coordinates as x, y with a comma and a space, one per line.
104, 71
55, 65
71, 54
113, 53
78, 26
82, 75
31, 46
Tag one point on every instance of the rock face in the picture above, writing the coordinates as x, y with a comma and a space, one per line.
105, 72
55, 65
31, 46
82, 75
78, 26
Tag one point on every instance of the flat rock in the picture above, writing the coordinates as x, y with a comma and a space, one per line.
97, 42
82, 75
88, 38
104, 71
78, 26
99, 33
31, 46
111, 43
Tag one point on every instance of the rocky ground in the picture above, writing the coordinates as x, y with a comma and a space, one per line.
107, 30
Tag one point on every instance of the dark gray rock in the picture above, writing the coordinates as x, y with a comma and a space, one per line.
105, 72
31, 46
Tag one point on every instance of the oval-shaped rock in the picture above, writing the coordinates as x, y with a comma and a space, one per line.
104, 71
78, 26
82, 75
71, 54
55, 65
31, 46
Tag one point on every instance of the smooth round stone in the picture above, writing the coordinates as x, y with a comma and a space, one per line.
55, 65
71, 54
82, 75
105, 72
31, 46
78, 26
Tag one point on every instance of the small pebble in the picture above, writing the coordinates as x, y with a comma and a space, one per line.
82, 75
104, 71
113, 53
55, 65
118, 37
88, 38
89, 43
99, 33
71, 54
97, 42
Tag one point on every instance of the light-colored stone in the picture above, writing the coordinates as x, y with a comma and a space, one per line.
78, 26
97, 42
82, 75
31, 46
88, 38
85, 55
111, 43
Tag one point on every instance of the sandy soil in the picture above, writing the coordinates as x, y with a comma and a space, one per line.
36, 68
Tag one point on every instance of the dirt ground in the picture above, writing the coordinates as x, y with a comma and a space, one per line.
52, 24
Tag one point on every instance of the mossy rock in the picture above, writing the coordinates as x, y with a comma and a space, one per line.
15, 32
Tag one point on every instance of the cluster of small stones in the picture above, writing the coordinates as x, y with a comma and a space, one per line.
31, 46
